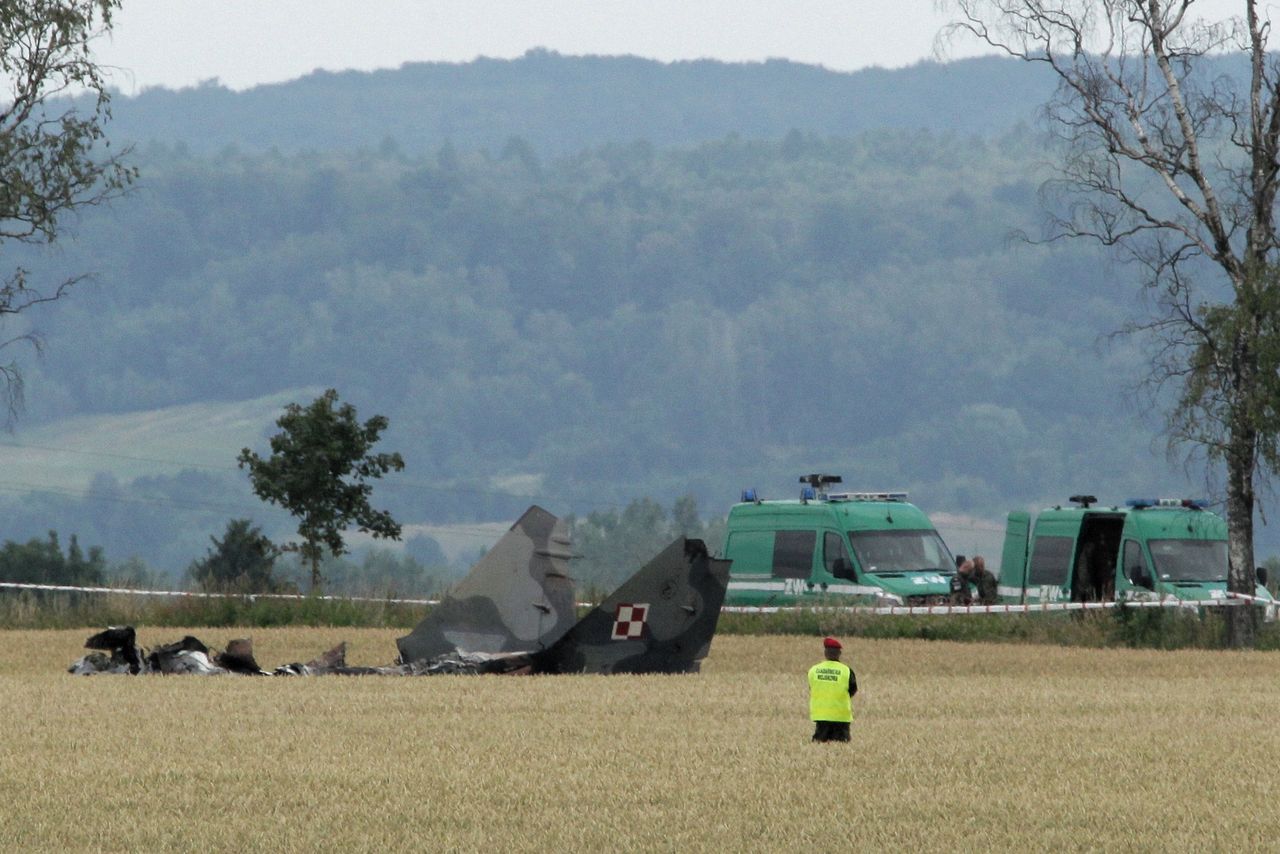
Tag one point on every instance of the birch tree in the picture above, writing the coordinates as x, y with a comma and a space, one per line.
54, 155
1169, 123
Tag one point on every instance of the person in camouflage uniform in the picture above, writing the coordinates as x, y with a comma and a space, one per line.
984, 581
960, 592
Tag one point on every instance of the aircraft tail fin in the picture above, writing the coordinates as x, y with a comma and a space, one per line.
519, 596
661, 620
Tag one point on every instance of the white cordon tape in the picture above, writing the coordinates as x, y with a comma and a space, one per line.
1271, 605
891, 610
13, 585
1257, 600
1033, 608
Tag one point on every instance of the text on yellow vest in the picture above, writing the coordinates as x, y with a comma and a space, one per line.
829, 692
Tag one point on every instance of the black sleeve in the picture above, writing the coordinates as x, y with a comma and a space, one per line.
853, 683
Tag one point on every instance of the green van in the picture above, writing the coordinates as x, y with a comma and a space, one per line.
829, 547
1146, 549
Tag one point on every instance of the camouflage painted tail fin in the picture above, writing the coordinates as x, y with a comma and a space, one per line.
660, 621
518, 597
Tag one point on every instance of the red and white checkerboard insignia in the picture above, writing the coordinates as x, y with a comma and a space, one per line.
628, 622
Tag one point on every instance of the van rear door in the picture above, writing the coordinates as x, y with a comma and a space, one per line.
1013, 560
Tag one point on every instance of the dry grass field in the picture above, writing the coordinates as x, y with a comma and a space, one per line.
956, 747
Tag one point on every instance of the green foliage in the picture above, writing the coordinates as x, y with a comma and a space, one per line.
614, 545
52, 164
43, 562
49, 165
241, 562
1149, 628
731, 262
1212, 397
1136, 628
135, 574
775, 304
318, 470
381, 573
1163, 628
559, 105
32, 610
307, 611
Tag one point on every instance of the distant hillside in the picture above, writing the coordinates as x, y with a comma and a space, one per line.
619, 279
562, 104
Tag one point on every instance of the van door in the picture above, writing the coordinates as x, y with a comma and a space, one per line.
794, 553
836, 561
1097, 551
1013, 560
1135, 580
1049, 570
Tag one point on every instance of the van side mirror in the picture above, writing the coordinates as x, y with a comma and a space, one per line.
1262, 575
843, 568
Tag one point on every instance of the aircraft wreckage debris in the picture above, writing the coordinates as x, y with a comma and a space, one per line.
512, 614
191, 656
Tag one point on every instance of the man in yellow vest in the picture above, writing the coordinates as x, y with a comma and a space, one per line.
831, 687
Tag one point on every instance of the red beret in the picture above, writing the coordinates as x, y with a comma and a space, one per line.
831, 643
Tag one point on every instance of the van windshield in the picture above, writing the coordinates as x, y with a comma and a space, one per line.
900, 551
1189, 560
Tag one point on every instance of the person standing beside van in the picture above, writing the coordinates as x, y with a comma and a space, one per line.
960, 593
988, 593
832, 685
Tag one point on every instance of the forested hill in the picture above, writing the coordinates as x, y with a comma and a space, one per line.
572, 300
561, 104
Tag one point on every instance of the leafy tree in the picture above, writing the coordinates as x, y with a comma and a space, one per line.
42, 562
1178, 168
385, 572
53, 156
318, 470
684, 517
613, 545
379, 573
888, 241
241, 561
134, 572
426, 551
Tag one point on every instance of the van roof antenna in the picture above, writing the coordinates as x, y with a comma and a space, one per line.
1085, 501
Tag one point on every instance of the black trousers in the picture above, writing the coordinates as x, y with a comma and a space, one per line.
831, 731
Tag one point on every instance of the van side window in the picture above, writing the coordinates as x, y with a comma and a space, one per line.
751, 551
793, 553
835, 556
1050, 561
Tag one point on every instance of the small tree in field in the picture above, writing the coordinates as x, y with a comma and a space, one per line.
318, 470
241, 561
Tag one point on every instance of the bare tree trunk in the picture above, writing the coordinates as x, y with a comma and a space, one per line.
1241, 463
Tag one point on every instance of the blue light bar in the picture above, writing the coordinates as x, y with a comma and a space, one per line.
808, 493
1197, 503
867, 496
749, 495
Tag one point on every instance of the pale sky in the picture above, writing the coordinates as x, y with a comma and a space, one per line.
247, 42
242, 43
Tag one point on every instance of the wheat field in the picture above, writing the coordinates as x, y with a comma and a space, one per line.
956, 747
